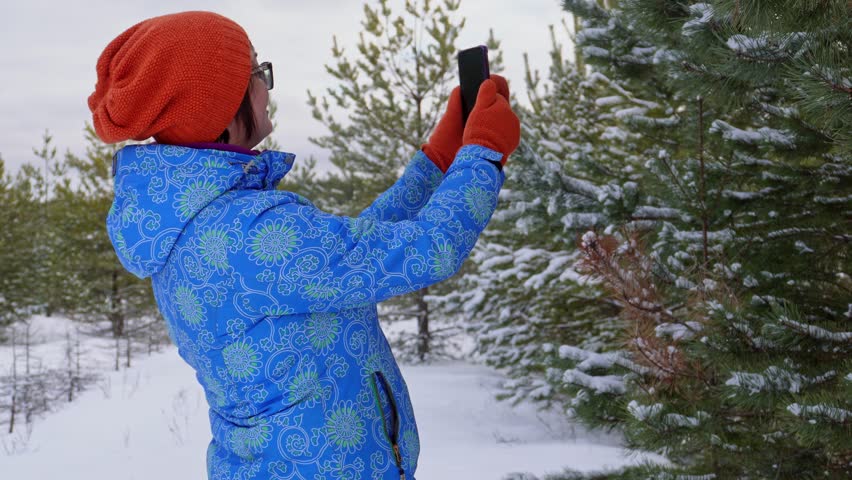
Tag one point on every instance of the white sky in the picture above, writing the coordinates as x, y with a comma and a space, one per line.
50, 47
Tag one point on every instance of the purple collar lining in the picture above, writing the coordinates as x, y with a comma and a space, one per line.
220, 146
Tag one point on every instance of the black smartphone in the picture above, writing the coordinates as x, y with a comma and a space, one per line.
473, 70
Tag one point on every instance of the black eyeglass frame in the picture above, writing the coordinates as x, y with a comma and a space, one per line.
265, 71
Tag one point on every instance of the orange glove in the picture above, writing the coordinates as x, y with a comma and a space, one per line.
447, 137
492, 123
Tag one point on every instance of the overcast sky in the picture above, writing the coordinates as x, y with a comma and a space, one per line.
49, 50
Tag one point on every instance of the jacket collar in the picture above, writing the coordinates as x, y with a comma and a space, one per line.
160, 188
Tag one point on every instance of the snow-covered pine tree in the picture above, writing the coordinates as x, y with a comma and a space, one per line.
731, 272
391, 94
525, 298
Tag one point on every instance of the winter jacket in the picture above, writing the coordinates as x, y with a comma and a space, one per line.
273, 301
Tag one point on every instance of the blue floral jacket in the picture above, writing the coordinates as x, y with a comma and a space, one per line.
273, 301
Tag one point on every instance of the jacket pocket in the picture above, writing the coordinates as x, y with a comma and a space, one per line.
390, 425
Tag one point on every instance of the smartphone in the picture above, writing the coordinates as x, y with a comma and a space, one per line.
473, 70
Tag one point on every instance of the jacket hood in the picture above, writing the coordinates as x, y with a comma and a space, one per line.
160, 188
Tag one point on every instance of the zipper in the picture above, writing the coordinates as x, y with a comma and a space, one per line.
391, 436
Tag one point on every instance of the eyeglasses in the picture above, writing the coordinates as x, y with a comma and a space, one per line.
264, 71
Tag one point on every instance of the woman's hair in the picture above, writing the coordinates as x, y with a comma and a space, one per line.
245, 115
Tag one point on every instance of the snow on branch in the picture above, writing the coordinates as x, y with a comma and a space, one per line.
600, 384
815, 332
592, 360
598, 77
721, 236
656, 213
765, 48
669, 476
645, 413
835, 414
776, 379
678, 331
770, 136
703, 13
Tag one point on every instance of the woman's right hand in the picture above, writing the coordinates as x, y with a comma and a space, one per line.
492, 123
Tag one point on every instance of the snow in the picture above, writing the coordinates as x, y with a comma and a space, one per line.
592, 33
611, 100
678, 331
629, 112
590, 360
704, 14
150, 421
582, 220
557, 264
818, 333
746, 195
773, 136
552, 146
644, 412
775, 379
592, 51
725, 235
584, 187
802, 247
833, 200
836, 414
615, 133
598, 383
743, 44
646, 211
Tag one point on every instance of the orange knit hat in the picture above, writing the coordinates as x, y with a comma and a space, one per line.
179, 78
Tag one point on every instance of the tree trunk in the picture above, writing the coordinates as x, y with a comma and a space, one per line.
423, 336
14, 407
578, 56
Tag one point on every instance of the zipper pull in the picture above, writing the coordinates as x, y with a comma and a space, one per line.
399, 461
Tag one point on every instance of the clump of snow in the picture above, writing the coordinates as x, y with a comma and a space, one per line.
743, 44
704, 13
817, 332
678, 331
776, 379
600, 384
611, 100
772, 136
802, 248
836, 414
588, 238
593, 51
644, 412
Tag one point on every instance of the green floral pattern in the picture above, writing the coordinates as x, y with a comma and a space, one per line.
242, 360
345, 427
273, 242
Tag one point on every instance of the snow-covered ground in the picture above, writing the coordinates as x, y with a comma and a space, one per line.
150, 422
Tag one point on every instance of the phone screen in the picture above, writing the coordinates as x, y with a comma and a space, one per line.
473, 70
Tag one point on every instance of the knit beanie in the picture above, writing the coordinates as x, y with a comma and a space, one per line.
179, 78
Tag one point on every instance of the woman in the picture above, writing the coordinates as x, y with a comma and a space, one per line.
270, 300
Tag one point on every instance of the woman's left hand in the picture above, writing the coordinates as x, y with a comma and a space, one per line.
446, 140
